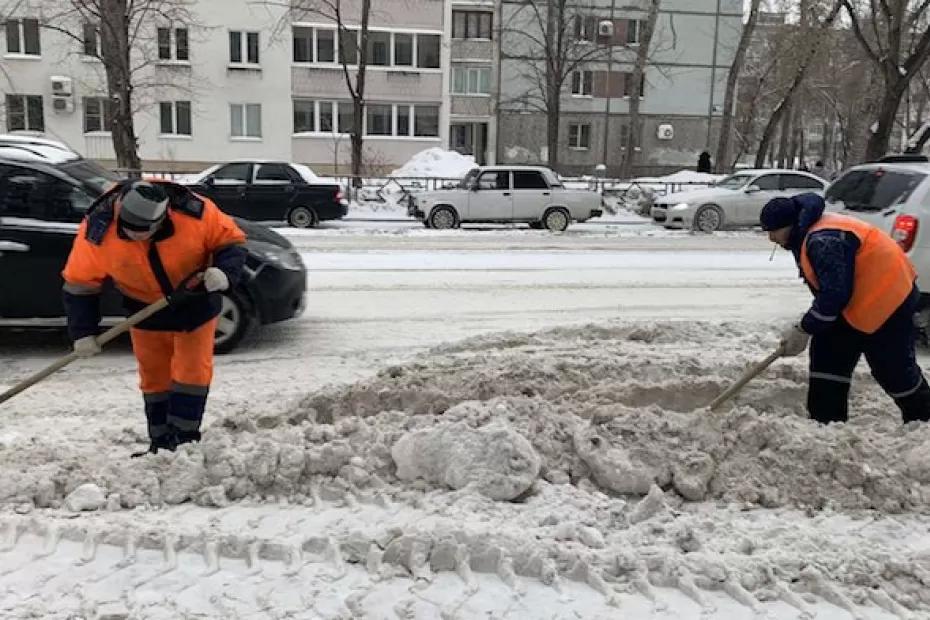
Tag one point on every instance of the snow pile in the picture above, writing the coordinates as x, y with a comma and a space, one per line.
436, 163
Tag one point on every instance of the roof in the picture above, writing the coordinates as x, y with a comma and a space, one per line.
26, 147
506, 167
775, 171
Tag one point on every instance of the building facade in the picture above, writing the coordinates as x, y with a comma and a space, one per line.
240, 79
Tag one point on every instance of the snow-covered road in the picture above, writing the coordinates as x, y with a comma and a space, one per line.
301, 514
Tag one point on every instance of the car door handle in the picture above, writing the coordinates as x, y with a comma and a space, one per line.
13, 246
506, 193
547, 193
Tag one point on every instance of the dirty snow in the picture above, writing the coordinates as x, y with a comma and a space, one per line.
388, 456
436, 162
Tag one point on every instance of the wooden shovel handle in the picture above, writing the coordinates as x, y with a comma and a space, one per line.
748, 376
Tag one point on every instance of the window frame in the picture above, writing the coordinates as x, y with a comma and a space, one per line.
272, 182
19, 25
27, 102
468, 35
105, 114
245, 38
513, 182
582, 83
174, 116
577, 135
244, 125
468, 71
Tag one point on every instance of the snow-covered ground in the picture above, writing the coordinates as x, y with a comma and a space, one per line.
492, 422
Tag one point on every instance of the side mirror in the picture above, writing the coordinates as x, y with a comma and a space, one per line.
752, 189
474, 186
209, 182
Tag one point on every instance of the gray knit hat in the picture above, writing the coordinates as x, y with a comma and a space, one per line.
142, 206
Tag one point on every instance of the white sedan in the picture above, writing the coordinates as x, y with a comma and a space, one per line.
734, 201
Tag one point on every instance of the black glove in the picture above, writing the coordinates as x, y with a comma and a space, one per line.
189, 289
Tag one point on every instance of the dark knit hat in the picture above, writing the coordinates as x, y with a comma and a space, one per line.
779, 213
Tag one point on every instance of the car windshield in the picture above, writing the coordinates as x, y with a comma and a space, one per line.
873, 190
91, 174
466, 182
734, 181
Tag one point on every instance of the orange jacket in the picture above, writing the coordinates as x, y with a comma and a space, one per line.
188, 248
883, 276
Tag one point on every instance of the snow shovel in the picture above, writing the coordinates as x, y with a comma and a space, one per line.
748, 376
102, 339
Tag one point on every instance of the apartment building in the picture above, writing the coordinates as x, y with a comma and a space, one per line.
682, 92
244, 79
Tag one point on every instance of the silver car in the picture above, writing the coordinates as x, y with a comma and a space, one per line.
732, 202
502, 194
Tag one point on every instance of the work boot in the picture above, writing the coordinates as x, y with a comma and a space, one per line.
915, 407
168, 441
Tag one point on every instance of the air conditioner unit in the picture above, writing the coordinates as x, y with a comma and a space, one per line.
665, 132
605, 28
61, 85
63, 104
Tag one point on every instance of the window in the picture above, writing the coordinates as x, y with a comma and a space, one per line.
379, 48
272, 174
873, 190
767, 182
326, 116
24, 113
348, 46
243, 47
529, 179
628, 85
303, 44
245, 120
581, 83
175, 118
499, 179
634, 30
33, 194
426, 120
471, 24
379, 119
799, 181
179, 50
98, 114
325, 45
91, 40
346, 117
471, 80
428, 51
233, 174
584, 28
304, 115
403, 50
22, 37
403, 120
579, 136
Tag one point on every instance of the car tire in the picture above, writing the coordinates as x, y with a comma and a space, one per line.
443, 218
302, 217
556, 220
708, 219
232, 324
536, 225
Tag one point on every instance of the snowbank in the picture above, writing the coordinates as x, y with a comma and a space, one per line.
436, 163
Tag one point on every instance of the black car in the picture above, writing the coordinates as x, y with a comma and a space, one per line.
267, 191
41, 204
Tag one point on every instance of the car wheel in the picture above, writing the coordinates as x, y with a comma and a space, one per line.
708, 219
556, 220
302, 217
232, 323
443, 218
536, 225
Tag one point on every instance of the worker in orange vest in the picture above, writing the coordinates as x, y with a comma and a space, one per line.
149, 239
865, 298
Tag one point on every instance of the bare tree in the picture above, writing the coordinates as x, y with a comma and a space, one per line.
127, 50
639, 71
894, 35
736, 70
543, 38
814, 36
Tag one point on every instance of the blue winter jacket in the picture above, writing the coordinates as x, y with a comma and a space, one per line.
832, 254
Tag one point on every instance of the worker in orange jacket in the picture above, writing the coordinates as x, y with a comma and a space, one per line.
865, 298
148, 238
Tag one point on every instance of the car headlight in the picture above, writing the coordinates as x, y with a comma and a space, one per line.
285, 258
681, 206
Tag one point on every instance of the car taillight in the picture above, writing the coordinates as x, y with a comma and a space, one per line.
905, 231
339, 195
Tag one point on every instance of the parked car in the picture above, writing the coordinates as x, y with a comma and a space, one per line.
894, 195
267, 191
734, 201
504, 194
45, 189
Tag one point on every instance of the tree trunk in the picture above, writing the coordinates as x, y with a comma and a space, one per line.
358, 101
721, 161
552, 128
785, 136
887, 112
639, 70
114, 43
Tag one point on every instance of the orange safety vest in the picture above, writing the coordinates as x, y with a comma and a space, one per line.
884, 276
127, 263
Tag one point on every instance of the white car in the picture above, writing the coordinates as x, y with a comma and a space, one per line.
503, 194
734, 201
894, 195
